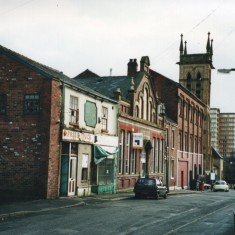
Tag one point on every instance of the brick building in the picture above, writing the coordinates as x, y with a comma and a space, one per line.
52, 131
29, 132
141, 128
184, 123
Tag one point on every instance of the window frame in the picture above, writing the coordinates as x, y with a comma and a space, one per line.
35, 99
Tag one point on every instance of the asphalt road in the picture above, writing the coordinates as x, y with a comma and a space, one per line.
205, 213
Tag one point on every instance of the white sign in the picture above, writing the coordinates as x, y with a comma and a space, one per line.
212, 176
77, 136
137, 140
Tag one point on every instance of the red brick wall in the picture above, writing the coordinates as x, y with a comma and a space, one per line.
25, 138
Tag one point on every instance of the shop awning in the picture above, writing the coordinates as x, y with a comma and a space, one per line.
101, 152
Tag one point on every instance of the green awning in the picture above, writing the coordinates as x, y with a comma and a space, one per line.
101, 152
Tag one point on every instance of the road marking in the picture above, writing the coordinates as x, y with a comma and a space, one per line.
193, 221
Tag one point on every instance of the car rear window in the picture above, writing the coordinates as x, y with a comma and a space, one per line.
147, 181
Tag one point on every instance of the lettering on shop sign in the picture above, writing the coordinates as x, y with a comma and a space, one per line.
77, 136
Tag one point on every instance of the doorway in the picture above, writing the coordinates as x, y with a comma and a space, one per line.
72, 176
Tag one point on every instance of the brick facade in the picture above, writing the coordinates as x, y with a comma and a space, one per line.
29, 142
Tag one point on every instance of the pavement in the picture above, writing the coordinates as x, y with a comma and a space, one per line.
21, 208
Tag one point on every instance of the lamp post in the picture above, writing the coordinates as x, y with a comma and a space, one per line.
166, 154
225, 70
166, 162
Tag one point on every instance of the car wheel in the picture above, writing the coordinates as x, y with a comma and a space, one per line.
165, 196
157, 196
137, 195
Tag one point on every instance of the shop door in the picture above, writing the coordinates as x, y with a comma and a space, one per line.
72, 176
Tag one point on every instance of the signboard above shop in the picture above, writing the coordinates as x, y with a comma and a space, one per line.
77, 136
138, 140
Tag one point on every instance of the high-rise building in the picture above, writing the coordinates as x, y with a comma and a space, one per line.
214, 116
227, 136
223, 140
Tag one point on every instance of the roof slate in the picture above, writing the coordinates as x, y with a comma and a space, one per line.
108, 85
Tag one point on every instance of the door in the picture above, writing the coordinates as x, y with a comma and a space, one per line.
182, 179
64, 175
72, 176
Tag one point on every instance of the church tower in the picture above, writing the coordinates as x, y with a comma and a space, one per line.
195, 75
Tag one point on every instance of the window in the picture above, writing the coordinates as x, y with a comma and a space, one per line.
31, 104
172, 172
157, 156
161, 153
189, 81
84, 176
106, 171
74, 114
104, 120
3, 104
198, 85
128, 152
133, 163
136, 111
172, 138
142, 107
181, 106
180, 141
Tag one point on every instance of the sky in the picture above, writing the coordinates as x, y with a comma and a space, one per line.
102, 35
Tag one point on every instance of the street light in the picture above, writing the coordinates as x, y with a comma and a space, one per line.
225, 70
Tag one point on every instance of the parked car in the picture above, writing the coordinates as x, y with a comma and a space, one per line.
149, 187
220, 185
207, 186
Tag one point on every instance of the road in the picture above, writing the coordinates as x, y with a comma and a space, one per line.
201, 213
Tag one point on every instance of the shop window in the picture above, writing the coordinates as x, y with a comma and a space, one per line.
106, 171
31, 104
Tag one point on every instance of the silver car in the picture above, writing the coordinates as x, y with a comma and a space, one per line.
221, 185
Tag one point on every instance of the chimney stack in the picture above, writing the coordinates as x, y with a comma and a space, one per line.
132, 67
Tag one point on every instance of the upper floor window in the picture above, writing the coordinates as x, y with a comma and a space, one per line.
181, 107
74, 112
31, 104
173, 138
3, 104
136, 111
104, 120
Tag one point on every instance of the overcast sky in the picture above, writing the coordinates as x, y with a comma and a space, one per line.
74, 35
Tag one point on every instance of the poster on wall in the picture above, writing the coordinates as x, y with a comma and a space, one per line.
137, 140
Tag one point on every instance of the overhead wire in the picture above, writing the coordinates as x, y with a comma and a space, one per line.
15, 8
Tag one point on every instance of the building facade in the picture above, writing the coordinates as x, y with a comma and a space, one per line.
140, 127
185, 137
57, 137
195, 75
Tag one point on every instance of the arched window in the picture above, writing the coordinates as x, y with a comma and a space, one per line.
146, 108
150, 111
198, 85
189, 82
136, 111
142, 106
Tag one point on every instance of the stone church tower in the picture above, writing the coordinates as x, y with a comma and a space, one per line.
195, 75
